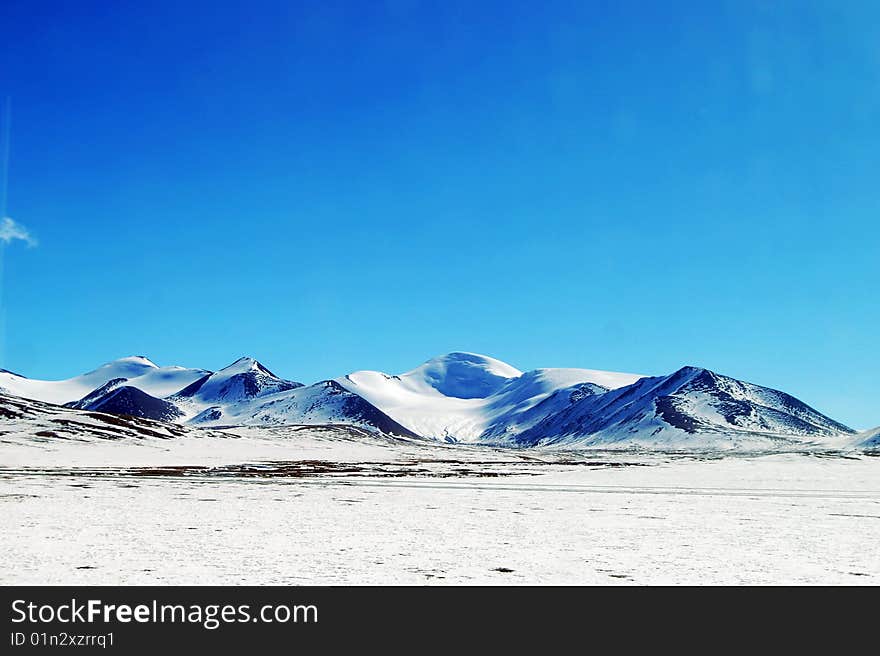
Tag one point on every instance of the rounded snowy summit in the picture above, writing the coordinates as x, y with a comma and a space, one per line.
464, 375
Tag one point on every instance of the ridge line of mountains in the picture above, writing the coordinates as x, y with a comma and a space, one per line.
458, 397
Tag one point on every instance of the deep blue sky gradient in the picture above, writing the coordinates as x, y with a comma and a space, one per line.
332, 186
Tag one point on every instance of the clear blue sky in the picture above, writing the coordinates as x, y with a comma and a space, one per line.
332, 186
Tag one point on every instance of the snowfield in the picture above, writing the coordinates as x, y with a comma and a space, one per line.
334, 505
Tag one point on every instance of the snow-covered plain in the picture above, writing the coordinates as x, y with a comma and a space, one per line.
328, 505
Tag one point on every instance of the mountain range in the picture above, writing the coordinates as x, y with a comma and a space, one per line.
457, 397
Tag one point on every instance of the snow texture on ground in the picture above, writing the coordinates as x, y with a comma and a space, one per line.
339, 506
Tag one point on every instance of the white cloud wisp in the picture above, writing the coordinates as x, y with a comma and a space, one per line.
10, 231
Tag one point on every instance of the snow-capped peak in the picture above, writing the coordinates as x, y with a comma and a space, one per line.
242, 366
136, 370
464, 375
139, 359
133, 365
460, 395
244, 379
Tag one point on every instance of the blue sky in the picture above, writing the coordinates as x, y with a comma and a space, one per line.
335, 186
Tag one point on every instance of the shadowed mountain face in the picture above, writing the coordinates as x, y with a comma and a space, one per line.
242, 380
39, 420
130, 401
97, 394
689, 401
869, 439
326, 402
352, 408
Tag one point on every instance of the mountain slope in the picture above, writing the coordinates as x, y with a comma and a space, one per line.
137, 371
96, 394
678, 407
241, 381
129, 401
326, 402
30, 420
459, 396
461, 375
869, 439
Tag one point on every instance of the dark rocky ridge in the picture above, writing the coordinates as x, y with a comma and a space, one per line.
677, 401
132, 402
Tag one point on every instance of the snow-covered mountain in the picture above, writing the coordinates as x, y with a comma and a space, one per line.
136, 371
218, 397
29, 420
458, 397
326, 402
674, 409
117, 399
869, 439
243, 380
